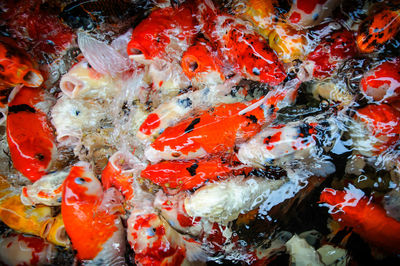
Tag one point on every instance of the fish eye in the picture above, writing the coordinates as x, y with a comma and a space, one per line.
256, 71
80, 180
39, 156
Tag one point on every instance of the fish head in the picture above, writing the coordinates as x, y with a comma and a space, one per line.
81, 187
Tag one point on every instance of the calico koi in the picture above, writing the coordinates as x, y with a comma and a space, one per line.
383, 81
377, 29
29, 135
175, 176
352, 209
90, 213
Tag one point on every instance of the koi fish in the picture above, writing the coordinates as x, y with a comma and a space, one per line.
352, 209
324, 60
375, 129
21, 249
32, 220
170, 112
83, 81
201, 64
71, 118
223, 201
56, 233
47, 190
90, 213
155, 242
29, 135
175, 176
309, 13
164, 27
217, 129
16, 67
377, 29
120, 171
244, 49
383, 81
288, 143
36, 29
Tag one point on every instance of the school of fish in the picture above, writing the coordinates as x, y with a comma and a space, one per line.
199, 132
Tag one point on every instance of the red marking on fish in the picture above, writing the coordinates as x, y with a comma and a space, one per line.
29, 135
367, 219
151, 123
113, 177
272, 139
308, 6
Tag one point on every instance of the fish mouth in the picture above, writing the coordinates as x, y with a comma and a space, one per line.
32, 78
71, 86
190, 65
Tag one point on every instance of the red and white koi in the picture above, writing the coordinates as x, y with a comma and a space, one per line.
382, 83
324, 60
309, 13
21, 249
29, 135
47, 190
353, 209
243, 48
285, 144
94, 215
375, 129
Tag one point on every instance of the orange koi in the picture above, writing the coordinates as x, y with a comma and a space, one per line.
20, 249
29, 135
174, 176
245, 50
152, 36
369, 220
119, 173
382, 125
217, 129
383, 82
90, 213
200, 63
376, 30
16, 67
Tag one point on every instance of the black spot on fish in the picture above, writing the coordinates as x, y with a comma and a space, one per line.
253, 118
192, 169
191, 125
21, 108
304, 130
1, 68
186, 103
271, 109
77, 112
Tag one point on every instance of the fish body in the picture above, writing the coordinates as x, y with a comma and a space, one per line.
383, 81
324, 60
152, 36
16, 67
29, 135
244, 49
378, 29
286, 143
367, 219
376, 128
92, 215
21, 249
309, 13
187, 175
